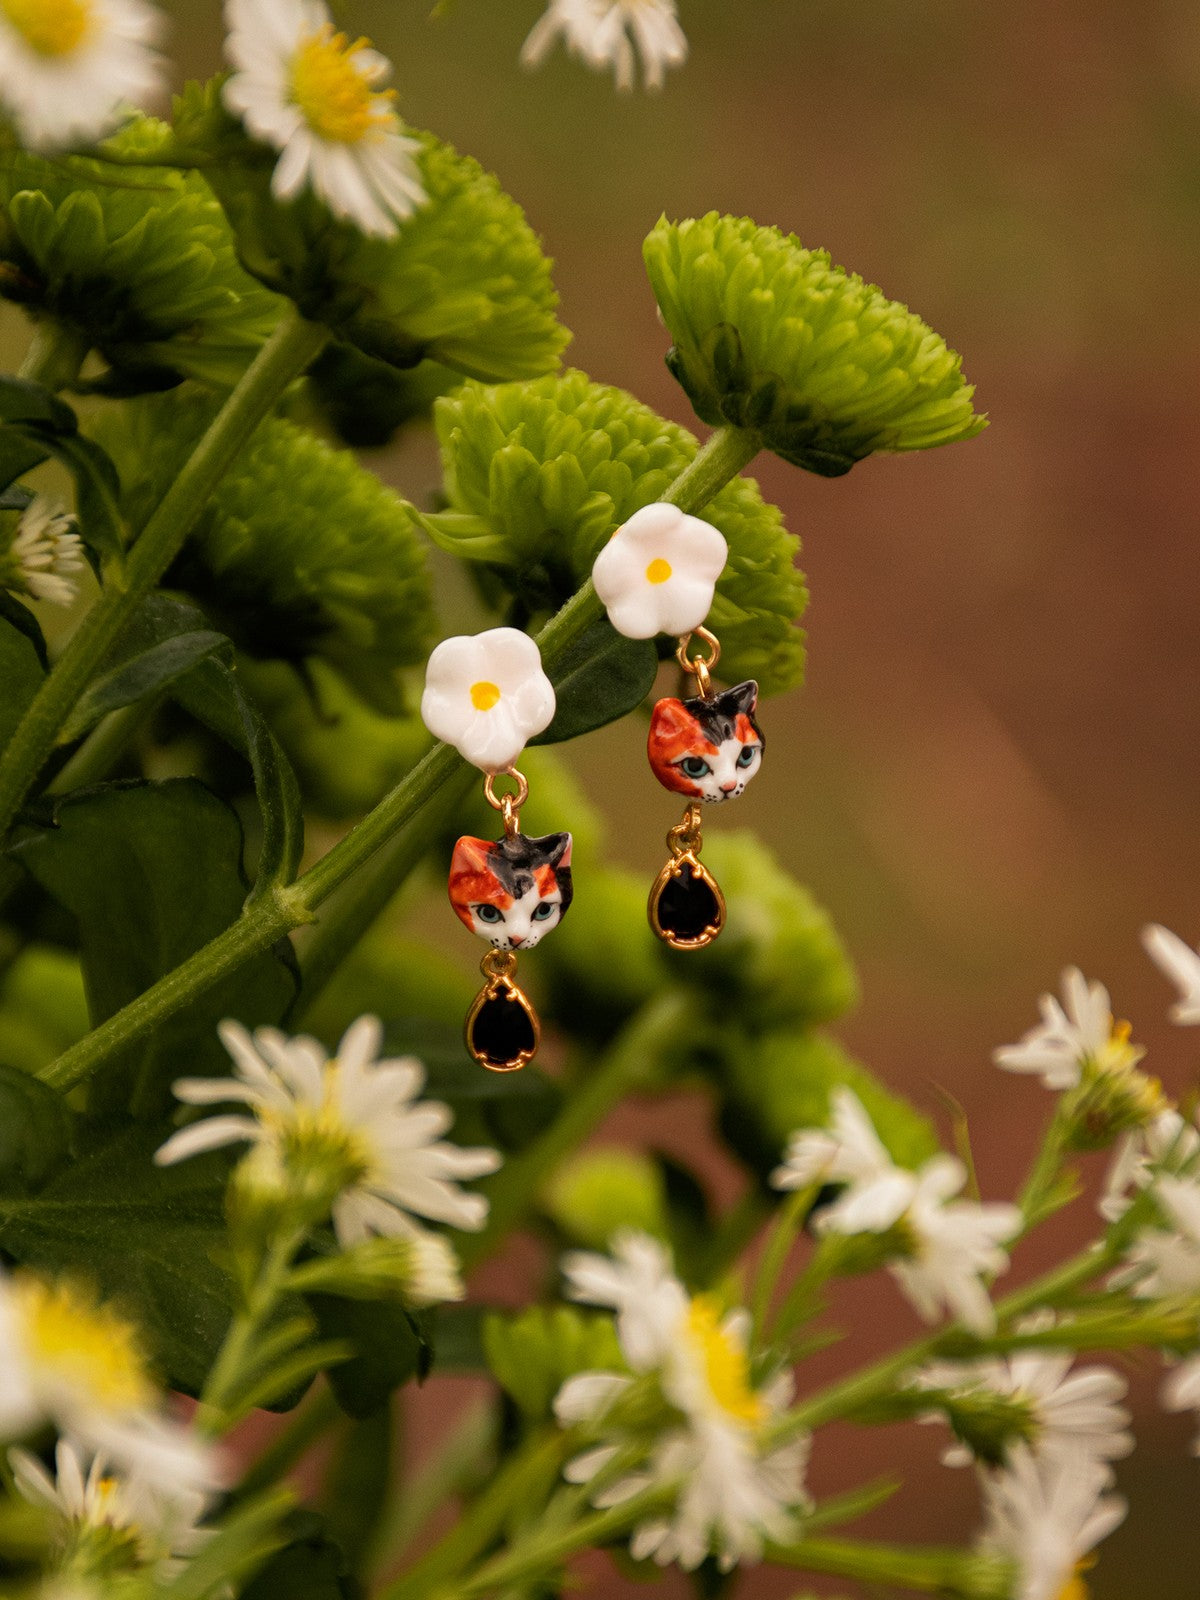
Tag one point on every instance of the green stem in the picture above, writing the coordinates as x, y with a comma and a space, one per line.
660, 1022
778, 1247
460, 1461
914, 1567
286, 354
279, 913
55, 355
217, 1412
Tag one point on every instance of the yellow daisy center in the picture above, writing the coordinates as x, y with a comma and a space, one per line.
1075, 1588
329, 85
658, 571
485, 695
51, 27
726, 1369
316, 1143
70, 1336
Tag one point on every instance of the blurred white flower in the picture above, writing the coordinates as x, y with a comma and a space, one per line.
1166, 1143
603, 34
877, 1191
487, 695
735, 1491
1069, 1041
1181, 964
658, 572
69, 67
1045, 1517
315, 96
45, 554
348, 1130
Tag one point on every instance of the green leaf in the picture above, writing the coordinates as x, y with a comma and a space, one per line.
531, 1355
391, 1350
311, 1567
19, 454
151, 872
145, 1236
602, 677
22, 664
97, 493
34, 1132
24, 402
358, 1485
135, 679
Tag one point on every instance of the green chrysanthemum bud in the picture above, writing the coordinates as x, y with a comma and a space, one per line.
779, 960
605, 1189
299, 552
539, 474
779, 1082
533, 1354
773, 337
139, 262
463, 281
604, 961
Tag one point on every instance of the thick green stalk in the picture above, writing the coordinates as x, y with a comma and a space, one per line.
286, 354
286, 909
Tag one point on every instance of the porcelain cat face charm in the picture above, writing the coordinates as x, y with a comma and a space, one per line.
709, 749
512, 891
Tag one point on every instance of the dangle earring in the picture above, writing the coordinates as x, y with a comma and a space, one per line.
657, 574
487, 695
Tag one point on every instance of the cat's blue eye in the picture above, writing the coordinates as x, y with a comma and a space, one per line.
747, 755
487, 913
694, 767
544, 911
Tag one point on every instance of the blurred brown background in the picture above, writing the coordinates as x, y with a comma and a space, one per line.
992, 769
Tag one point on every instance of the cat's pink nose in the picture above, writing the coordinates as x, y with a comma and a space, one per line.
728, 788
515, 939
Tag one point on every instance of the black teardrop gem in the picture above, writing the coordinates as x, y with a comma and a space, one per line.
686, 907
500, 1030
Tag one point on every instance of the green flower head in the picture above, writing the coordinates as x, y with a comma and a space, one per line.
138, 261
299, 552
463, 281
773, 337
540, 474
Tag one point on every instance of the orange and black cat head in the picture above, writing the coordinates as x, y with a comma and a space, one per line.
512, 891
707, 749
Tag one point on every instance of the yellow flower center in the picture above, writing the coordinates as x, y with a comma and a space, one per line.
726, 1369
658, 571
70, 1336
51, 27
330, 86
484, 695
1075, 1588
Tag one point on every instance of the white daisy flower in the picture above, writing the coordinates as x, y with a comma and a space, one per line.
849, 1152
45, 553
954, 1245
604, 32
156, 1522
1181, 1391
67, 1360
735, 1491
1067, 1043
1142, 1154
1069, 1415
1181, 964
486, 694
69, 67
1046, 1517
315, 96
658, 572
350, 1130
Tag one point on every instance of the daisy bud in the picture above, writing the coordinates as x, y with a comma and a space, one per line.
45, 556
418, 1268
605, 1189
540, 475
772, 337
143, 269
299, 552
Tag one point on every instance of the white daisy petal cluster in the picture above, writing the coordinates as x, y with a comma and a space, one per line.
68, 68
316, 96
1167, 1143
486, 694
68, 1361
1046, 1516
1072, 1416
658, 572
45, 554
603, 33
1073, 1040
1181, 964
945, 1248
349, 1130
735, 1492
156, 1524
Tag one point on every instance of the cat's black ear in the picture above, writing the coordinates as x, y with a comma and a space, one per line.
743, 697
558, 848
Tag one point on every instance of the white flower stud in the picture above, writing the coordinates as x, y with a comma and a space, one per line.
658, 572
486, 694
